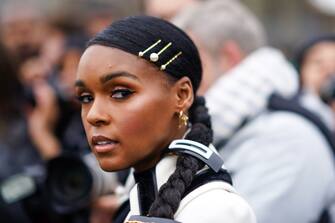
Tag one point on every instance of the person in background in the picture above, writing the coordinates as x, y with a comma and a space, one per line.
27, 141
23, 29
271, 154
166, 9
16, 146
314, 61
47, 58
35, 46
43, 61
69, 129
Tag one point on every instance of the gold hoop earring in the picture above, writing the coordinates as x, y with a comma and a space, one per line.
183, 119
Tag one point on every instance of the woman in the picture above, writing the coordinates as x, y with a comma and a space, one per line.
137, 82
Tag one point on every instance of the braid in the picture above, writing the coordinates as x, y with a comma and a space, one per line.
170, 194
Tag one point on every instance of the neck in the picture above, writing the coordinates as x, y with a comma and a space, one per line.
153, 159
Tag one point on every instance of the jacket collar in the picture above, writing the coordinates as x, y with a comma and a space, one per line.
148, 184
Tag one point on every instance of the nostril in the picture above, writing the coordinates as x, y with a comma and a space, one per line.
97, 120
100, 122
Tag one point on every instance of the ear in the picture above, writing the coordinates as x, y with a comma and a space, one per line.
231, 54
184, 94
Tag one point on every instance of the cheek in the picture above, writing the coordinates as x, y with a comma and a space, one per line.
143, 128
145, 118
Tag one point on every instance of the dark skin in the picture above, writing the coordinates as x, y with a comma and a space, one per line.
132, 103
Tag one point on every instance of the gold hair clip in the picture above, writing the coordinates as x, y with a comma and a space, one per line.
141, 53
163, 67
155, 56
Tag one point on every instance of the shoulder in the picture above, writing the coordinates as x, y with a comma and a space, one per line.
278, 139
278, 120
289, 129
212, 202
283, 131
282, 127
276, 132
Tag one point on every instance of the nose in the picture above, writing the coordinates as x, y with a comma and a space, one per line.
97, 114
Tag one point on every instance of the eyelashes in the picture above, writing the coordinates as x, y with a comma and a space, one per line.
118, 94
122, 93
85, 98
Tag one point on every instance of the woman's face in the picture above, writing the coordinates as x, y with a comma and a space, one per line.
128, 108
318, 66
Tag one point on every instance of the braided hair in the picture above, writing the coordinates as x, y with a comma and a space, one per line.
136, 33
170, 193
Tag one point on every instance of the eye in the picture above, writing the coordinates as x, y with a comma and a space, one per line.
121, 93
85, 98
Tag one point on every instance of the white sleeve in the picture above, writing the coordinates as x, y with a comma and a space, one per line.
216, 205
285, 171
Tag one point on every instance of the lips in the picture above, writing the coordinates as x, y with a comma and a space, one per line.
102, 144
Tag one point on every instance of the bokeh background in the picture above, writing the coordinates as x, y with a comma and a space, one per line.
287, 22
44, 39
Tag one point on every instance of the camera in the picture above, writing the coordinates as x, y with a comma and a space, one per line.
327, 91
74, 181
60, 190
22, 197
22, 185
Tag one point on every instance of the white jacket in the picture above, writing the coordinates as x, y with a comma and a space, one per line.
212, 202
280, 162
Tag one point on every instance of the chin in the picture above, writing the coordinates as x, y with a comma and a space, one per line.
109, 165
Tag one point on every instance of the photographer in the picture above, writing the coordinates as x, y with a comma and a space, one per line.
36, 125
271, 153
315, 64
40, 118
17, 149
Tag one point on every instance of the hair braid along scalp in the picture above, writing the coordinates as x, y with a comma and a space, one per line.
137, 33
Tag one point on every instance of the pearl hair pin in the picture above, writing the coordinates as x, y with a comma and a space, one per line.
163, 67
141, 53
154, 57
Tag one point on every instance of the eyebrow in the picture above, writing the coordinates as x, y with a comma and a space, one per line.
79, 83
117, 74
104, 79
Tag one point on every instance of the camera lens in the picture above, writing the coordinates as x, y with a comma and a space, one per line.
69, 183
74, 181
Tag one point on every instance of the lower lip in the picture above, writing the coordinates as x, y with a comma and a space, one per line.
105, 148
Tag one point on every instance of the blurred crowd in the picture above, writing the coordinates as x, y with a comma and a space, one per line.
272, 113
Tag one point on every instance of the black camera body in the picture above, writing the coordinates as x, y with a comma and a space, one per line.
62, 188
327, 91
